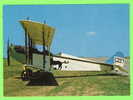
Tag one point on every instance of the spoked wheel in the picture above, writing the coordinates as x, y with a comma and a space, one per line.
26, 74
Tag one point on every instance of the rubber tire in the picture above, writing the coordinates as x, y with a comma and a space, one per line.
26, 74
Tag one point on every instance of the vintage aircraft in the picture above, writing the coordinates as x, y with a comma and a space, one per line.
42, 34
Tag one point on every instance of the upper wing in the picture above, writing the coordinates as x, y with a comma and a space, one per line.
35, 31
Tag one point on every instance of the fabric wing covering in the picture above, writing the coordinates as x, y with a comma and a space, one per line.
35, 31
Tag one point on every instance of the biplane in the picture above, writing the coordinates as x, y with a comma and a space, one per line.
42, 34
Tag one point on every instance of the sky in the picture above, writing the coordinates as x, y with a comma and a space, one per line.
81, 30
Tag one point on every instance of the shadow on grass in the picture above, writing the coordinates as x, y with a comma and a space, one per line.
86, 75
48, 79
42, 79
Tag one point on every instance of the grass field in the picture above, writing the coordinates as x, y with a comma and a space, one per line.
69, 84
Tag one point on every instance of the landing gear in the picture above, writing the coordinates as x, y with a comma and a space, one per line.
26, 74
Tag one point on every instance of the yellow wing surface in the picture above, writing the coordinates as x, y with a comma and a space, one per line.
35, 31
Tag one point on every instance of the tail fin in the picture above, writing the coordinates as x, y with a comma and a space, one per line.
112, 60
121, 64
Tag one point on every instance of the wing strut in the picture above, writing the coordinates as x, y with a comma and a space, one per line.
43, 38
8, 53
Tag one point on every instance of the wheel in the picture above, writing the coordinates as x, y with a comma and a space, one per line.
26, 74
23, 75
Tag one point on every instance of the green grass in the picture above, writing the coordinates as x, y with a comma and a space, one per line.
87, 84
